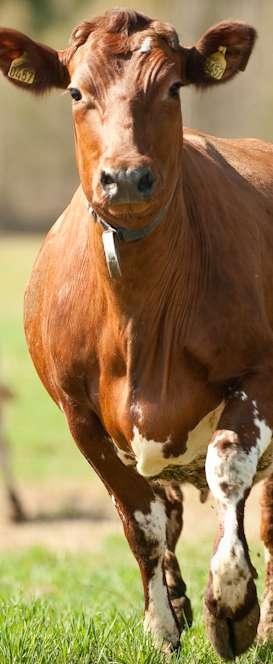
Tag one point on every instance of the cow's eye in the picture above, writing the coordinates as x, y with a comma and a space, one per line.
75, 94
174, 89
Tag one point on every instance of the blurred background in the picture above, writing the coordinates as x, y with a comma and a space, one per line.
37, 179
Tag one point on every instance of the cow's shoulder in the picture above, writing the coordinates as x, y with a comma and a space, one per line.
245, 161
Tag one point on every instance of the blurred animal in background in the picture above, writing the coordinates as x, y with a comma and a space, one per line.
149, 312
15, 508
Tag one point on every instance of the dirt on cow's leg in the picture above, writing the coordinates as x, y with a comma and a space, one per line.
265, 630
144, 520
244, 433
172, 497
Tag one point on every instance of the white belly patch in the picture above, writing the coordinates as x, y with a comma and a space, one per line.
150, 459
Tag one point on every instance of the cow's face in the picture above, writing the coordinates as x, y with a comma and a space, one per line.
124, 72
127, 116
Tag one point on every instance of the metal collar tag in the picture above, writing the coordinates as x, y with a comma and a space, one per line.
110, 245
112, 235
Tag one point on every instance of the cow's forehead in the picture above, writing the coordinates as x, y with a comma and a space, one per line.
109, 56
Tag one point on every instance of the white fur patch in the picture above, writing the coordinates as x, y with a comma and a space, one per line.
153, 524
146, 45
265, 431
136, 412
234, 468
159, 619
149, 453
230, 571
125, 457
230, 472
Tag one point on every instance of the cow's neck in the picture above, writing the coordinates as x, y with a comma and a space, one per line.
158, 272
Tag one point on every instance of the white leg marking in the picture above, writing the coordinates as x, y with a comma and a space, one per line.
230, 571
159, 619
154, 524
229, 474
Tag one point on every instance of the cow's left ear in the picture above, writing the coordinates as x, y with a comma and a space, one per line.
221, 53
30, 65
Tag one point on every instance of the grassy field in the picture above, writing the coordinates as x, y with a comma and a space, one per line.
88, 610
74, 608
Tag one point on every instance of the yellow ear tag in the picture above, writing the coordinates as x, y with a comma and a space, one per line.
21, 71
215, 64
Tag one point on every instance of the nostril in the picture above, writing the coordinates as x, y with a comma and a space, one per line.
146, 182
106, 179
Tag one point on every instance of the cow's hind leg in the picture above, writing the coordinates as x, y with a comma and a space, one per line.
231, 606
265, 631
172, 497
144, 521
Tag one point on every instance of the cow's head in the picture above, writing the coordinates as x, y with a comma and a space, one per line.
124, 72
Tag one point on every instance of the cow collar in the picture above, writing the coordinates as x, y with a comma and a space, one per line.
112, 235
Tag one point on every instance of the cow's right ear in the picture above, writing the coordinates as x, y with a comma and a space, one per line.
30, 65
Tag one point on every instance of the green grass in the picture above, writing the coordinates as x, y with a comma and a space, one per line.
87, 609
41, 443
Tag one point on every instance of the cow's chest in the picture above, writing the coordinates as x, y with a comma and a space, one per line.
162, 432
153, 434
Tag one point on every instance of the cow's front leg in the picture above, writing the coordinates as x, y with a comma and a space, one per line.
231, 606
144, 520
265, 631
172, 497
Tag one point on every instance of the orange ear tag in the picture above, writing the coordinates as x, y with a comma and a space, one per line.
21, 71
215, 64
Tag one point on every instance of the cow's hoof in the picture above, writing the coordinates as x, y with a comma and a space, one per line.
168, 648
265, 629
183, 611
231, 637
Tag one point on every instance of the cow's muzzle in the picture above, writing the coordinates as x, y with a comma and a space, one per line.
128, 185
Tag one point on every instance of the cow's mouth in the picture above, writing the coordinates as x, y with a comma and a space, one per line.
131, 210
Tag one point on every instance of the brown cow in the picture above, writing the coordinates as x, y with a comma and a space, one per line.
149, 313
